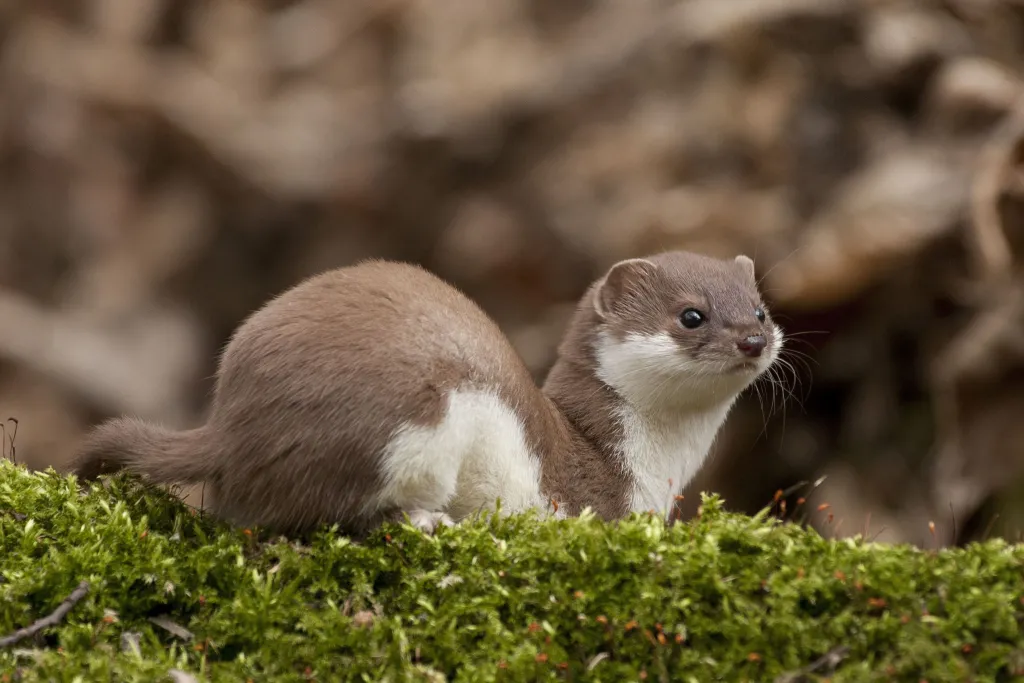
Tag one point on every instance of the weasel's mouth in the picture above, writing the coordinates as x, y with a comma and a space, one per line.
746, 366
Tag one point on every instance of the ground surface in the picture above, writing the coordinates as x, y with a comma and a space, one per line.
724, 597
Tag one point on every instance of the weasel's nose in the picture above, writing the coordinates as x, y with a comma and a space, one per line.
753, 345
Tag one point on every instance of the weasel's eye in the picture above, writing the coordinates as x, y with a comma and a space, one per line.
759, 314
691, 318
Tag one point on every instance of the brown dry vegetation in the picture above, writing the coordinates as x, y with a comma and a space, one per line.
166, 165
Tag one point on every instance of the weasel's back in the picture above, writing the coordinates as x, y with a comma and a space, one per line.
377, 320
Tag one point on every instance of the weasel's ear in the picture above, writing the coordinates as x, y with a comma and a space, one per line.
747, 265
621, 284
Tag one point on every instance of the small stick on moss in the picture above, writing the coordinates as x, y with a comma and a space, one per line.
49, 620
828, 662
13, 436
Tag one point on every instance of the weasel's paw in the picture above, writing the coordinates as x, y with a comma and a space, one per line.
427, 521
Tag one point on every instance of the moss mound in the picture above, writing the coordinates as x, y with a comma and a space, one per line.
725, 597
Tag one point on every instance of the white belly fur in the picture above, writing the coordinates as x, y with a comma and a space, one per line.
474, 456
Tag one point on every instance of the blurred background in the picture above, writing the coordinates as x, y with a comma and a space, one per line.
166, 165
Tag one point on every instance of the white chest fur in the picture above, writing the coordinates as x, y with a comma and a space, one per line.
671, 412
663, 452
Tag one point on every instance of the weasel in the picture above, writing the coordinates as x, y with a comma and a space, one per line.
378, 390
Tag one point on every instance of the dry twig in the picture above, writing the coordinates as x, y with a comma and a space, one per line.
49, 620
827, 662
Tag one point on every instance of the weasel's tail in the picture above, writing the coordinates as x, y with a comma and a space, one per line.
160, 454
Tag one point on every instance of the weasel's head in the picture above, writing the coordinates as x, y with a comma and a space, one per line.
680, 327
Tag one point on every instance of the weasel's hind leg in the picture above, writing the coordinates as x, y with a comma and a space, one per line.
420, 468
426, 521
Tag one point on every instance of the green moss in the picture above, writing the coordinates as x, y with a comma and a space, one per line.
725, 597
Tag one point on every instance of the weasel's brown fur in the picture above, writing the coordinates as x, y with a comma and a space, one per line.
334, 402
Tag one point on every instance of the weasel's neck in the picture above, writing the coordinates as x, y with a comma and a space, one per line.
626, 455
588, 469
